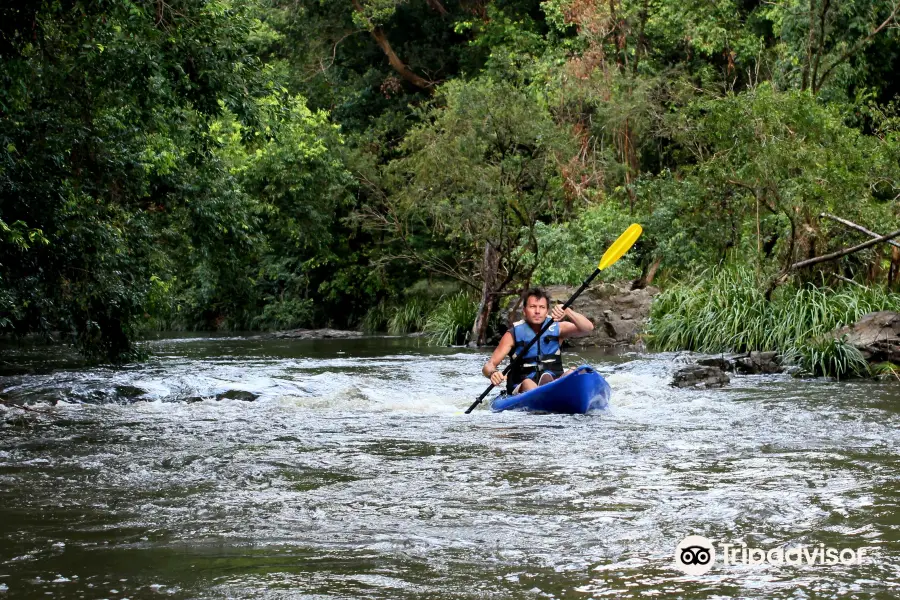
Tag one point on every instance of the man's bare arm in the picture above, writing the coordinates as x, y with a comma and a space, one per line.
577, 325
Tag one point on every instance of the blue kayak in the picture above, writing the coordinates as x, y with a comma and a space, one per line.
580, 391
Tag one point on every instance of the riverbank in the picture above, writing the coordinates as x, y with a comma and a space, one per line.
728, 311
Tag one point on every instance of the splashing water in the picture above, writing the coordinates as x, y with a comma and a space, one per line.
355, 473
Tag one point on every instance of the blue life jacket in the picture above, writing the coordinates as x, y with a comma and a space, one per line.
544, 356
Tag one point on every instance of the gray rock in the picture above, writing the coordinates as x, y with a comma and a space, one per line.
128, 393
237, 395
748, 364
758, 362
621, 330
720, 362
314, 334
700, 376
876, 335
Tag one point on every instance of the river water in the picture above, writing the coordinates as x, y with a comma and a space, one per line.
355, 474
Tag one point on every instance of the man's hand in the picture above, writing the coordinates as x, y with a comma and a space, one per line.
558, 314
497, 377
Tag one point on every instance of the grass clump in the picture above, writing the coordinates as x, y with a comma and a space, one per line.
727, 311
408, 317
829, 357
376, 318
450, 322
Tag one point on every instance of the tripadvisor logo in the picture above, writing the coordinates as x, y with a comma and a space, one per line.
695, 555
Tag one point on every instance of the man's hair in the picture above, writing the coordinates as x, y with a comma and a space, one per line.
535, 292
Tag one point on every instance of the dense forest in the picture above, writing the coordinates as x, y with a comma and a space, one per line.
414, 164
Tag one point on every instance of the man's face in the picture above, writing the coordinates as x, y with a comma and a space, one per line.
535, 310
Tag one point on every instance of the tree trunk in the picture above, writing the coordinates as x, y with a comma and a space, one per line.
490, 265
782, 277
895, 268
647, 276
875, 269
804, 84
436, 5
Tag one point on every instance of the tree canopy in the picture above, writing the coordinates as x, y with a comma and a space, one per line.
270, 164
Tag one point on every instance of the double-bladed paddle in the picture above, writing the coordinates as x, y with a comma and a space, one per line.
614, 253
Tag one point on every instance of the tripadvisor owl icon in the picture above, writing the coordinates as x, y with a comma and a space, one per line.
695, 555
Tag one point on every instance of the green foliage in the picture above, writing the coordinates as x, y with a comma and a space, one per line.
285, 314
885, 370
570, 251
760, 167
103, 149
726, 311
409, 313
376, 318
483, 165
452, 320
214, 164
480, 170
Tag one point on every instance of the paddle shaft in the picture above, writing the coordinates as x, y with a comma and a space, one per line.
517, 357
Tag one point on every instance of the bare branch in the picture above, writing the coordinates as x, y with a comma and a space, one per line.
845, 279
844, 252
322, 67
860, 228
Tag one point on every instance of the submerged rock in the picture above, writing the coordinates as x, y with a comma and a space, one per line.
237, 395
720, 362
758, 362
700, 376
314, 334
128, 393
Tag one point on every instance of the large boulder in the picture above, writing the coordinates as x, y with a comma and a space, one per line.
617, 312
876, 335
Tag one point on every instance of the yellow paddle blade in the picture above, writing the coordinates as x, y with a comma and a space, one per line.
620, 246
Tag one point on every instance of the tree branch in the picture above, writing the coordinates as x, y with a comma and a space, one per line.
393, 59
844, 252
860, 228
856, 47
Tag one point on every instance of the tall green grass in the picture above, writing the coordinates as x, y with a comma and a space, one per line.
376, 318
726, 311
451, 321
398, 319
408, 317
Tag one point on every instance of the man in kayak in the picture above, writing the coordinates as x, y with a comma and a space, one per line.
543, 361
